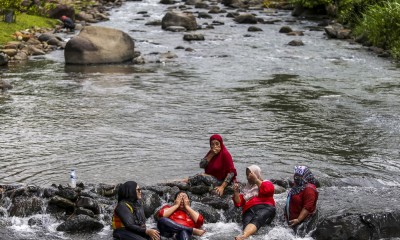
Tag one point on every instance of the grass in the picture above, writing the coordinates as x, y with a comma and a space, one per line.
23, 22
381, 25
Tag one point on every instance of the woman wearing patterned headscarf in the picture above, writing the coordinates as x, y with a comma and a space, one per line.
302, 199
219, 170
129, 221
257, 202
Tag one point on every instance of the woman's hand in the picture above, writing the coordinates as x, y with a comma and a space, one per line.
220, 190
236, 189
294, 222
153, 234
210, 155
216, 149
186, 201
178, 200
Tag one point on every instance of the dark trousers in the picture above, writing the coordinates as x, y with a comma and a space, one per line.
123, 234
168, 228
259, 215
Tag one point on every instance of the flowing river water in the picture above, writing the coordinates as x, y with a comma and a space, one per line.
330, 105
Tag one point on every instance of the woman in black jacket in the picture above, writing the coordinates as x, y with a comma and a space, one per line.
129, 221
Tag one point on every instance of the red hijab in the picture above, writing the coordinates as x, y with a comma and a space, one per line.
221, 164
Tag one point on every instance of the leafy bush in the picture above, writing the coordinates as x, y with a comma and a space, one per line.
350, 11
381, 24
312, 3
10, 4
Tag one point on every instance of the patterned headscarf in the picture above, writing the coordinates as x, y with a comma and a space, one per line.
302, 176
251, 190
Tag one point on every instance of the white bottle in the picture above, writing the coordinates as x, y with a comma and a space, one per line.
72, 178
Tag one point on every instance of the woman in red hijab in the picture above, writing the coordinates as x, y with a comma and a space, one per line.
219, 170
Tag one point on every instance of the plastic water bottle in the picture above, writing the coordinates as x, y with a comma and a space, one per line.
72, 177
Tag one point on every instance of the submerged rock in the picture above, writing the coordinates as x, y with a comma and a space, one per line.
80, 223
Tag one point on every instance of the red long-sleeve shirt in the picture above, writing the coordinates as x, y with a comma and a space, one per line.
305, 199
265, 196
183, 218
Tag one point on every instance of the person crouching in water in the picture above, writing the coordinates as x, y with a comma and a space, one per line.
257, 202
219, 170
180, 219
129, 221
301, 203
69, 25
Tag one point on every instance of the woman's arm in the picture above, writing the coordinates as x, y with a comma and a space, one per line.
309, 202
221, 188
303, 215
192, 213
169, 211
204, 162
236, 194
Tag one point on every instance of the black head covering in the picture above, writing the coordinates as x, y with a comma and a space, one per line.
127, 192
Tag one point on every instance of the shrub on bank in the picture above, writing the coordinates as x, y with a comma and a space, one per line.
312, 3
350, 11
380, 24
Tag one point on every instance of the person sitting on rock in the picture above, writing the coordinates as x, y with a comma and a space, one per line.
180, 219
257, 202
219, 170
301, 203
129, 221
69, 25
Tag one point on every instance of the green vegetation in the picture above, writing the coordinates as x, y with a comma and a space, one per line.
376, 20
311, 3
381, 24
24, 21
350, 11
28, 16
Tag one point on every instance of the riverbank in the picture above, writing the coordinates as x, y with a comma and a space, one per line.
26, 33
95, 12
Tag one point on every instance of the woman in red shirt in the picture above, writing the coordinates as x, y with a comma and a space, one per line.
219, 170
302, 199
257, 202
180, 219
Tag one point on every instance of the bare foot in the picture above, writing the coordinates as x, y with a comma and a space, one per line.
240, 237
198, 232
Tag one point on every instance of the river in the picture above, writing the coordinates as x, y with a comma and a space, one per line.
330, 105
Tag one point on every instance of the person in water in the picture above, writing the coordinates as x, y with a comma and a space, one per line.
129, 221
301, 203
69, 25
180, 219
219, 170
257, 202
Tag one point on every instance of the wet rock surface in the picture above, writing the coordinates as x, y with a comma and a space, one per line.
367, 214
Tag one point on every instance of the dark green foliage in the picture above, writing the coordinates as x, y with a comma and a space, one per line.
381, 24
350, 11
312, 3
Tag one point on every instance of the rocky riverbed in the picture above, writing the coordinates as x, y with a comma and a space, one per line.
87, 209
